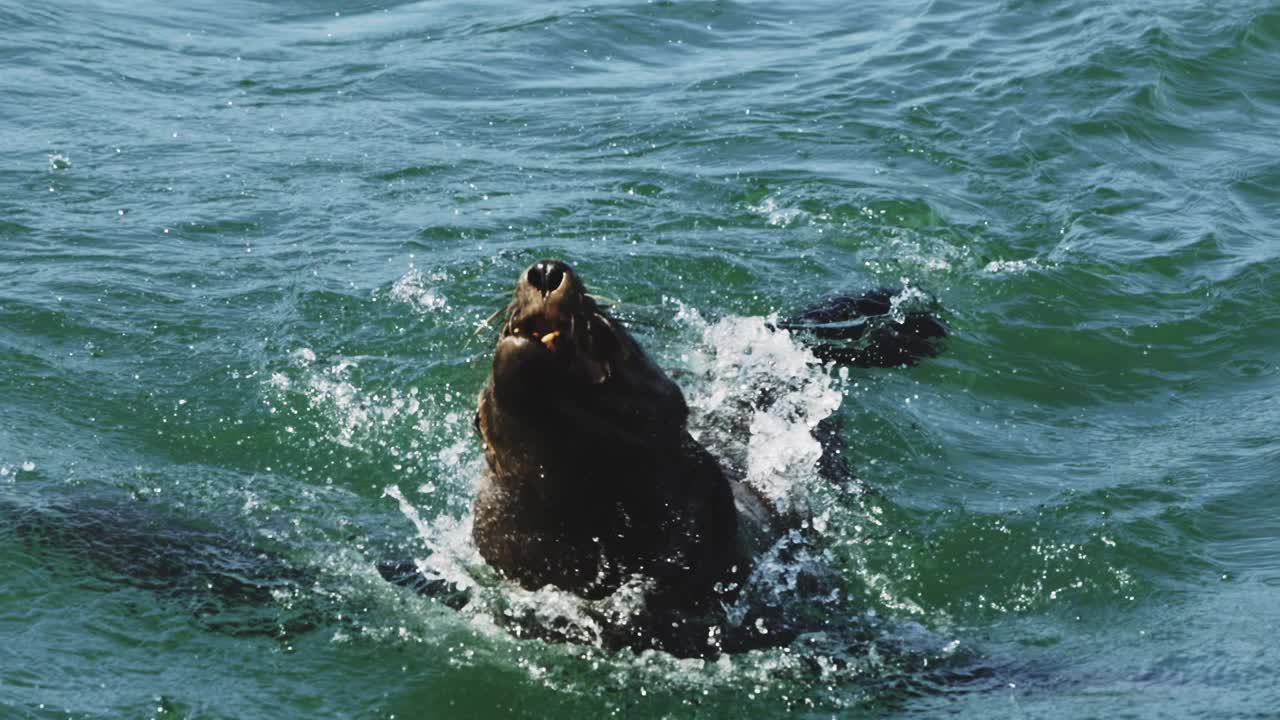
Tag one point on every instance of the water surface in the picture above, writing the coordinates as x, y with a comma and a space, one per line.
245, 247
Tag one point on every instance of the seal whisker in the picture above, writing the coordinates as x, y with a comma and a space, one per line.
483, 325
605, 320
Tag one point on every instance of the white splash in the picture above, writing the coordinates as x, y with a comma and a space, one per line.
328, 397
351, 407
1011, 266
420, 290
907, 299
777, 216
763, 394
10, 472
447, 539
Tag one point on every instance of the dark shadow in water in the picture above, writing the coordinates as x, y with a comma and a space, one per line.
230, 584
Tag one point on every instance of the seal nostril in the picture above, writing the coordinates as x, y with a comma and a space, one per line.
546, 276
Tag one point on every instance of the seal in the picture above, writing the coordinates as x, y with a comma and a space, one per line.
593, 476
594, 480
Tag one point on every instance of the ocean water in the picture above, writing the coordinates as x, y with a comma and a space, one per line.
247, 250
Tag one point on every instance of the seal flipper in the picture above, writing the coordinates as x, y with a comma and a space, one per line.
861, 330
405, 573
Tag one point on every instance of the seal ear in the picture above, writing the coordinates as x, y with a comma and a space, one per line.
609, 343
607, 338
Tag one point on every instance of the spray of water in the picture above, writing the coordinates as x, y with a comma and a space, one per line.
756, 396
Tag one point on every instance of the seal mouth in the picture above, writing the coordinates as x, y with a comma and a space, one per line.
546, 295
552, 316
542, 328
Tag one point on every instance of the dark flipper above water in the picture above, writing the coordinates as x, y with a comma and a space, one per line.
406, 573
865, 331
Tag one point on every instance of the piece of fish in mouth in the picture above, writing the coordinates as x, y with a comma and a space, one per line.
535, 326
550, 339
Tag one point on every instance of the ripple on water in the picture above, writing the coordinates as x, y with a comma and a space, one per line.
320, 208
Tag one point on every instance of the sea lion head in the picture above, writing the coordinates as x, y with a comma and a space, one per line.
561, 361
556, 334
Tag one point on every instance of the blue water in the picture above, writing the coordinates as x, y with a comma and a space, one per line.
245, 249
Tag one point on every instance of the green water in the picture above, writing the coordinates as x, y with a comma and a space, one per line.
245, 247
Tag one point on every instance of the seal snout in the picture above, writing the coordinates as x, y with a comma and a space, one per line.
547, 298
